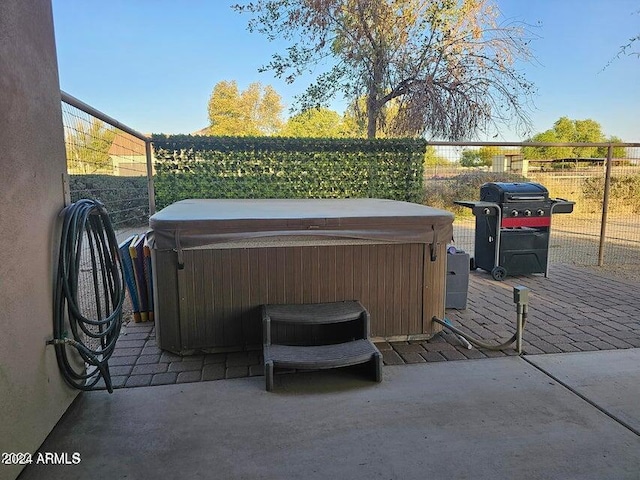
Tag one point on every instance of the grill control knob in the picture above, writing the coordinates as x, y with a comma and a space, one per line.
527, 213
514, 213
540, 212
487, 211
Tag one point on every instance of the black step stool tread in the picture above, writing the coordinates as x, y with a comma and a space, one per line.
321, 356
315, 313
317, 357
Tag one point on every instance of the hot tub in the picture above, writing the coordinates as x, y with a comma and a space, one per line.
216, 261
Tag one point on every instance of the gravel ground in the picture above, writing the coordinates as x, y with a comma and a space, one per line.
629, 273
576, 242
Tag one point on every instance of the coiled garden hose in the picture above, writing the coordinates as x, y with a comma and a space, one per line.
87, 232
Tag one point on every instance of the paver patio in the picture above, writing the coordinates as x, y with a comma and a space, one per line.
574, 310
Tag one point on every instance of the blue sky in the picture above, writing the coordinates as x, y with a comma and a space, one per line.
152, 64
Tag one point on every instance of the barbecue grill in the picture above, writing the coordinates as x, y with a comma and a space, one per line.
513, 225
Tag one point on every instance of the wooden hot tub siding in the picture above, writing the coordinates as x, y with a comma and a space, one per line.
213, 303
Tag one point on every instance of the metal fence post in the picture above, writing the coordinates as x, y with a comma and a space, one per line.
605, 205
150, 187
66, 189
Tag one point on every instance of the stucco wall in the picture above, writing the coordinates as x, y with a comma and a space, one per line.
33, 395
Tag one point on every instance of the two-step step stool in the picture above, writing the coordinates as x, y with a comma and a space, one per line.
317, 336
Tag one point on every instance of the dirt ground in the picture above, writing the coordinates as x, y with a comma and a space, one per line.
629, 273
576, 242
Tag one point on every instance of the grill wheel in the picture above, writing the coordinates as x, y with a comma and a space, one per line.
499, 273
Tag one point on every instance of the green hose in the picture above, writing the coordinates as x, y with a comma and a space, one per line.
87, 228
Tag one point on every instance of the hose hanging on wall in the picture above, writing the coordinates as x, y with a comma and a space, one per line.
89, 293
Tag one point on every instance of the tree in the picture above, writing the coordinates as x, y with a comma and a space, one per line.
624, 48
487, 154
87, 146
471, 158
254, 111
356, 112
432, 159
483, 157
449, 64
618, 152
566, 130
627, 48
320, 122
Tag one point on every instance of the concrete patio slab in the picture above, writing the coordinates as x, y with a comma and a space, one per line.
478, 419
610, 379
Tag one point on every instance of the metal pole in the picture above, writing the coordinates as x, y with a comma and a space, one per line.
605, 205
66, 189
521, 299
150, 187
519, 330
79, 104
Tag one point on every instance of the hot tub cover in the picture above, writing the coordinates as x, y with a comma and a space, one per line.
199, 222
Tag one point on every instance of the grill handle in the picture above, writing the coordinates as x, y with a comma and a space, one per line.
538, 198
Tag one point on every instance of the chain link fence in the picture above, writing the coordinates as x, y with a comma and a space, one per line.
106, 161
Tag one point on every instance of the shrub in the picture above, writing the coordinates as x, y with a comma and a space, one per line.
125, 198
624, 192
272, 167
442, 192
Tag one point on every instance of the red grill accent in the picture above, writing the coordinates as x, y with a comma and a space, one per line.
511, 222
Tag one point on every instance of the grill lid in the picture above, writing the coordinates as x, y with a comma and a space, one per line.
503, 192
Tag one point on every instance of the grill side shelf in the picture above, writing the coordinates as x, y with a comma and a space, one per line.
560, 205
480, 207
